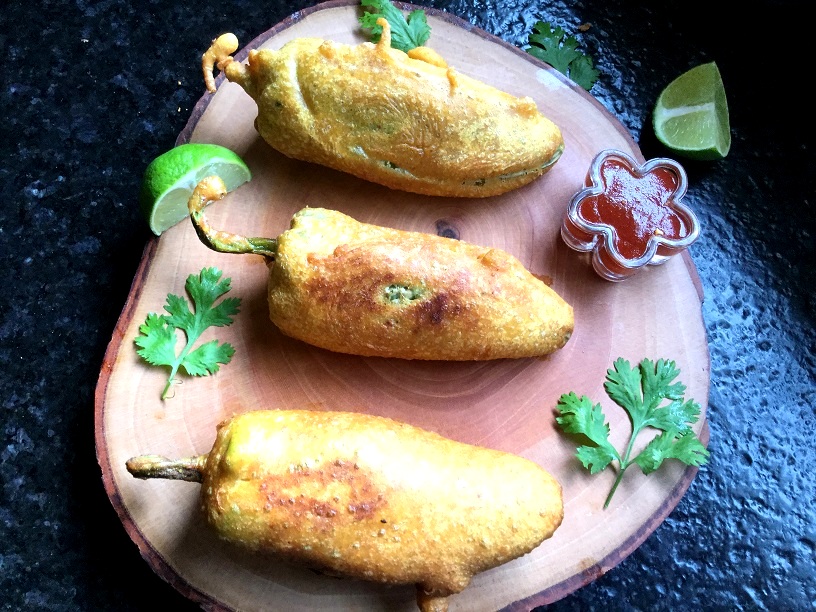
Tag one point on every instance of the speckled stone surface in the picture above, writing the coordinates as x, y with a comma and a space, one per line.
92, 90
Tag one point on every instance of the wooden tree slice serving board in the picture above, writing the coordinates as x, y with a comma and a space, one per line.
507, 405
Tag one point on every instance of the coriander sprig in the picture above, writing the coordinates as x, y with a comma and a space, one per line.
561, 52
406, 34
157, 340
642, 392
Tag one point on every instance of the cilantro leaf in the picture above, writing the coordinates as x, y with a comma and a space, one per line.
672, 445
623, 387
640, 391
157, 340
205, 359
657, 382
157, 337
595, 458
651, 399
561, 52
583, 72
677, 415
553, 46
405, 34
580, 416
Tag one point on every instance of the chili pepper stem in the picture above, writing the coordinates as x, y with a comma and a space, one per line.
210, 189
190, 469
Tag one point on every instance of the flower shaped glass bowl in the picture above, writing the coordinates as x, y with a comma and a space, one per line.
630, 215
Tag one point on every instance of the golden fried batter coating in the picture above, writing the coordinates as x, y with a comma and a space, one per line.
407, 121
357, 288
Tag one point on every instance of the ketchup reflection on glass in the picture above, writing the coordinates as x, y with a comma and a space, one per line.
630, 215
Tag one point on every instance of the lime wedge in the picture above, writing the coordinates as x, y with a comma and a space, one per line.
691, 115
170, 179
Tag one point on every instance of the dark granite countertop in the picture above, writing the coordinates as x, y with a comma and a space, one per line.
92, 90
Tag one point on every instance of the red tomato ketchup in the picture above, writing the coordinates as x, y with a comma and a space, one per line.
630, 215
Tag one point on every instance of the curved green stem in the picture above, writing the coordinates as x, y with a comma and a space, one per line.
177, 364
624, 464
170, 380
211, 189
615, 486
190, 469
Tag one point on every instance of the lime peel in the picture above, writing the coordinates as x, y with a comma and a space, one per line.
691, 115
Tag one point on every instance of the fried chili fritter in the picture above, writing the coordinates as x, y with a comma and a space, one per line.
362, 289
406, 121
361, 496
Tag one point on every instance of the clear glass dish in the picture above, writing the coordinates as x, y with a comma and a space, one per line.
630, 215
